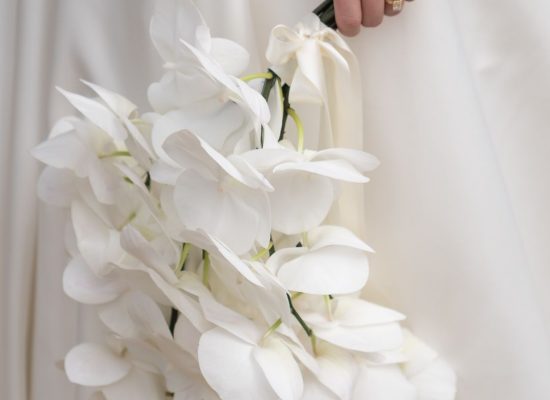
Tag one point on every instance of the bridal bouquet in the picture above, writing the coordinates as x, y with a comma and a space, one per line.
222, 253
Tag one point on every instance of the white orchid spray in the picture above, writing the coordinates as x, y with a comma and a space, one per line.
200, 234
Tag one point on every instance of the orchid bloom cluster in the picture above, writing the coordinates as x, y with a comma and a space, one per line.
197, 231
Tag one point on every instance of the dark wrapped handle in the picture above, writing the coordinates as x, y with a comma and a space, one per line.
325, 12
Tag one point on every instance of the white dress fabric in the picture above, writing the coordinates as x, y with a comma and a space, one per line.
456, 106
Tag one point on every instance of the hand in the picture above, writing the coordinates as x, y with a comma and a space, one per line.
351, 14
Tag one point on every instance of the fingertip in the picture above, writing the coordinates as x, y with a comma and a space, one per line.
373, 13
348, 16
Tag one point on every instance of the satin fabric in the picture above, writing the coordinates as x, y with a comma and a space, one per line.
455, 104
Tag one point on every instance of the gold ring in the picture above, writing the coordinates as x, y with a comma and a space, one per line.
397, 5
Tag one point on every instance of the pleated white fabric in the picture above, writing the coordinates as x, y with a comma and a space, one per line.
456, 101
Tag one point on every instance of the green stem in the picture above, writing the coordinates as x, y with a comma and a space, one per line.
120, 153
272, 328
328, 304
266, 90
303, 324
263, 75
299, 126
130, 218
286, 105
205, 268
263, 252
186, 248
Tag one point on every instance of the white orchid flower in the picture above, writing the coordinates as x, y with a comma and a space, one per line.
352, 323
216, 194
112, 372
332, 260
176, 20
267, 360
200, 89
81, 284
113, 115
88, 148
220, 255
82, 151
97, 241
310, 179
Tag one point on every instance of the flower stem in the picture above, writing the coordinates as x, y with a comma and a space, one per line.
205, 268
263, 252
173, 320
120, 153
186, 248
325, 12
263, 75
266, 90
328, 304
306, 328
272, 328
128, 220
299, 126
313, 339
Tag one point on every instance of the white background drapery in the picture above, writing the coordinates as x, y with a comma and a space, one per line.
456, 101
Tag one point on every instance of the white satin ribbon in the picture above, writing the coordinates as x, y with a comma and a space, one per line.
320, 68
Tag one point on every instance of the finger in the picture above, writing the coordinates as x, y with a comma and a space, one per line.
391, 10
373, 12
348, 16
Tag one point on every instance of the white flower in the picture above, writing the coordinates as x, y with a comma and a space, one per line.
225, 197
331, 261
118, 378
267, 360
305, 184
352, 323
199, 91
89, 148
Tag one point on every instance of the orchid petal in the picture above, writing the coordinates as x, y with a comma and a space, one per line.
174, 20
82, 285
146, 314
330, 270
314, 390
312, 197
335, 169
105, 180
97, 113
65, 150
361, 161
120, 105
364, 339
356, 312
338, 370
187, 336
328, 235
135, 244
228, 366
138, 385
205, 204
231, 56
91, 364
57, 186
383, 383
96, 242
265, 160
230, 320
280, 369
